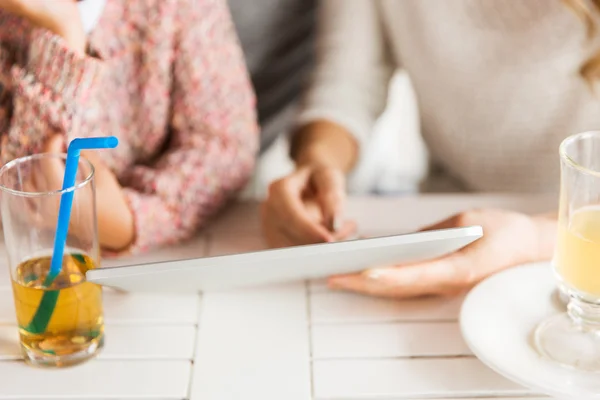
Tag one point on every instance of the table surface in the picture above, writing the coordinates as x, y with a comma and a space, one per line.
295, 341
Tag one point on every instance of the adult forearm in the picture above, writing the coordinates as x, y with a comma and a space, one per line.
324, 143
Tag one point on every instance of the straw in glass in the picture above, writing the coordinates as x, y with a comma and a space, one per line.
42, 316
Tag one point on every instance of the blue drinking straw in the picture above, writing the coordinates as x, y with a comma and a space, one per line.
66, 201
44, 312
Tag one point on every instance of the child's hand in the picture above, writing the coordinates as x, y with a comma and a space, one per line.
59, 16
115, 220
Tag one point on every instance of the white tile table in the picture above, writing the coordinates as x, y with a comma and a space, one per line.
295, 341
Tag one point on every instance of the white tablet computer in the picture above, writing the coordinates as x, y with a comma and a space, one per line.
284, 265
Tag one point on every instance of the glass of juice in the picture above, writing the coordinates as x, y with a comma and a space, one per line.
573, 338
60, 319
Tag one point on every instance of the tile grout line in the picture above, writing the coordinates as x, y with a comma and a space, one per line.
384, 321
459, 396
310, 341
195, 349
387, 358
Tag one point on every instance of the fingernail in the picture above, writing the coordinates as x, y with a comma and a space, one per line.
393, 275
337, 224
330, 239
378, 274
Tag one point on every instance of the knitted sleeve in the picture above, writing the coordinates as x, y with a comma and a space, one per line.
214, 133
48, 94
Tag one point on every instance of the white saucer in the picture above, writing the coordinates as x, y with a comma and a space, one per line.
497, 320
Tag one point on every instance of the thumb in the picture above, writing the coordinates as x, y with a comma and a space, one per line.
55, 144
330, 190
436, 277
443, 275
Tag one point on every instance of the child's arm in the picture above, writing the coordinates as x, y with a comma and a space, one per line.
48, 93
214, 131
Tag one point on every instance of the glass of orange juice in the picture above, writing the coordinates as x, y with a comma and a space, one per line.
573, 338
60, 322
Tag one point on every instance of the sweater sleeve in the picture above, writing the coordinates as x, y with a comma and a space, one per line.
350, 83
49, 92
214, 133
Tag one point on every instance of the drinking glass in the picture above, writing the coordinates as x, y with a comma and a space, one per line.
60, 320
573, 338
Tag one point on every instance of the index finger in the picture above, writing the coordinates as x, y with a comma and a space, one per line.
330, 190
287, 207
298, 224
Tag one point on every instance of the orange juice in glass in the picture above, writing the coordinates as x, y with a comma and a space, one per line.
578, 251
61, 323
573, 338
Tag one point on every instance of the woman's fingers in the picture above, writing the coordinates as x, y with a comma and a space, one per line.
510, 239
296, 221
329, 185
276, 237
286, 213
303, 206
348, 229
446, 275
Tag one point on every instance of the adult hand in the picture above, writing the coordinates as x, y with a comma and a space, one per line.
302, 207
115, 220
59, 16
509, 239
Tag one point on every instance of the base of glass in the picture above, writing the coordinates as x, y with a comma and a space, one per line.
38, 358
563, 341
563, 296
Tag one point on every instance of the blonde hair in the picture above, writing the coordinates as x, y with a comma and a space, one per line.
590, 69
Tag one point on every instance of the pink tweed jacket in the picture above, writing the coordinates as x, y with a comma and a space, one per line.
167, 77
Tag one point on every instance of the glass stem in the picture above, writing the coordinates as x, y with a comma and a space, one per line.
585, 314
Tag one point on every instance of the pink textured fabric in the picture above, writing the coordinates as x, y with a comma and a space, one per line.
167, 77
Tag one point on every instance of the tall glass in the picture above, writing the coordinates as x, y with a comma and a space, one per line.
573, 338
60, 321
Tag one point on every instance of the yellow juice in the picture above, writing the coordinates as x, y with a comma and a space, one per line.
578, 251
76, 327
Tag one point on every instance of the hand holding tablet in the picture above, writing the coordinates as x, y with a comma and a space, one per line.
284, 265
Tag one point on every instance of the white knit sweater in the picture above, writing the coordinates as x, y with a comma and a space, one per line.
496, 81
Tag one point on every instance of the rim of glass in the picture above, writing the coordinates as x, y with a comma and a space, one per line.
25, 159
569, 140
